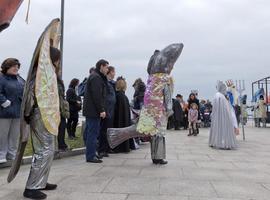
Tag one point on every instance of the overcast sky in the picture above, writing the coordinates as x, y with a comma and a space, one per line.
223, 39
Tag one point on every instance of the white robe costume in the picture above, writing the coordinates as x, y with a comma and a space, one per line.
223, 124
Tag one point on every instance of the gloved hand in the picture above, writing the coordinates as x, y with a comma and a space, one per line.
27, 119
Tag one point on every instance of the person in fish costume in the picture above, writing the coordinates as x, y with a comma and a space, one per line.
41, 109
158, 100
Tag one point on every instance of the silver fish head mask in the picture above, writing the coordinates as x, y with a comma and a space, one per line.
164, 60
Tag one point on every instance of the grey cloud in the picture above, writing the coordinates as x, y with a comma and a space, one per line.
223, 39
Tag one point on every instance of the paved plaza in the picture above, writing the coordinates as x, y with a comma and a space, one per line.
194, 172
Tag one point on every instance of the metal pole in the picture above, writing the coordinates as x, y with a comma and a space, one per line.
266, 94
62, 34
240, 90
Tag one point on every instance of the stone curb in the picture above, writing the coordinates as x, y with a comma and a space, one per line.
58, 155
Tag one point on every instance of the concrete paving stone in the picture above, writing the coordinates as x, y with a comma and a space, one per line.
120, 171
227, 157
18, 183
14, 194
113, 162
181, 164
161, 172
179, 151
215, 165
248, 175
171, 148
83, 183
160, 197
234, 153
138, 162
187, 187
194, 157
90, 196
194, 172
262, 167
258, 159
196, 198
85, 168
262, 153
205, 174
133, 186
182, 147
266, 185
4, 192
128, 155
205, 152
242, 189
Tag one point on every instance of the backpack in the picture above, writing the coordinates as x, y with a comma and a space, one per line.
81, 87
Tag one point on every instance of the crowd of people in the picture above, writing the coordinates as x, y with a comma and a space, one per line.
185, 112
102, 92
105, 105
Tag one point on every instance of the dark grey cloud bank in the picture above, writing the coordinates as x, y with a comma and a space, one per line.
224, 39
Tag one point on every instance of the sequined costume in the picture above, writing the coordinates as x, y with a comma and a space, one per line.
158, 99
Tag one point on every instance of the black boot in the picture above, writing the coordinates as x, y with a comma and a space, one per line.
189, 134
197, 132
159, 161
163, 162
155, 161
49, 187
34, 194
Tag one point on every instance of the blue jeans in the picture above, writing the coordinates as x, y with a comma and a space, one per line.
91, 133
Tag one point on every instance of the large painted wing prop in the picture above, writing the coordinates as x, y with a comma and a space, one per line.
45, 87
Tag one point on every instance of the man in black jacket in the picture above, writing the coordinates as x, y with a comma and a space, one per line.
94, 108
103, 148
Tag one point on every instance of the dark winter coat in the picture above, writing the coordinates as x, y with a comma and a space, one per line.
139, 95
177, 111
110, 99
95, 95
73, 99
122, 119
122, 116
11, 88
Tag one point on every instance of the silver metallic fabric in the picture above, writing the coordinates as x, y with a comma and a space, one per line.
39, 59
43, 144
117, 136
157, 98
223, 123
158, 147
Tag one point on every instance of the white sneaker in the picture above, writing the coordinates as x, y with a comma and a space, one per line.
3, 160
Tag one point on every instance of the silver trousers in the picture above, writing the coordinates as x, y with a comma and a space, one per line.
9, 137
158, 147
43, 148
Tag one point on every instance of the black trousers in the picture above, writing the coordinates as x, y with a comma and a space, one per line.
185, 123
71, 126
103, 145
61, 134
177, 124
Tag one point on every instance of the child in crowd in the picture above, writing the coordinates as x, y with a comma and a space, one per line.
193, 120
